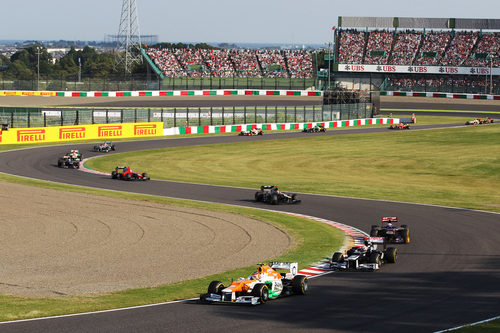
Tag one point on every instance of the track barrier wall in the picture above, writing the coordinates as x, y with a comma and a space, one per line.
439, 95
159, 93
278, 126
81, 132
155, 129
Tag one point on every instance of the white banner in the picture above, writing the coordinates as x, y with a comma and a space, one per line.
418, 69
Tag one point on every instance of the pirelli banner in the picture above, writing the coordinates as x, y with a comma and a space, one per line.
418, 69
80, 132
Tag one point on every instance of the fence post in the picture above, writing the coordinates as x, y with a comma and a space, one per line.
135, 115
286, 114
245, 114
107, 116
211, 112
255, 114
161, 114
234, 118
121, 116
295, 112
93, 122
44, 120
149, 115
62, 117
12, 119
223, 116
175, 117
266, 114
199, 116
304, 113
77, 120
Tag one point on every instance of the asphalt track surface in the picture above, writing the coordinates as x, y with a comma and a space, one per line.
442, 109
447, 276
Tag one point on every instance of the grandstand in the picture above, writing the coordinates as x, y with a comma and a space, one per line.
232, 63
434, 54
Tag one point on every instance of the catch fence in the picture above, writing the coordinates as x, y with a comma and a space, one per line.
18, 117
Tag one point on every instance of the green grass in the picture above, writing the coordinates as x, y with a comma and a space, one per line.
492, 326
312, 241
457, 167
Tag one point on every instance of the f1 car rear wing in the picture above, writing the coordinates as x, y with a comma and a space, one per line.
292, 266
389, 219
376, 240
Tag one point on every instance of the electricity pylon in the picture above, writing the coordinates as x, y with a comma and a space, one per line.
129, 37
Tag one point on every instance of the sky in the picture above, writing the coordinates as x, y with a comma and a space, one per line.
230, 21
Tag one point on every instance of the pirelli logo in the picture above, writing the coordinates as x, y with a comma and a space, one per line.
145, 129
31, 135
110, 130
72, 133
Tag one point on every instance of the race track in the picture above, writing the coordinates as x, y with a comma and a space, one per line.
447, 276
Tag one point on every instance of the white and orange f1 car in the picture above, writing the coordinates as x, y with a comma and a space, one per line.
264, 284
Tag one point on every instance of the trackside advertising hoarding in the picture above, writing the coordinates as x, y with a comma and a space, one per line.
80, 132
418, 69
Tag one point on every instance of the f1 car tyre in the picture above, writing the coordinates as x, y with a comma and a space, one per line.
114, 175
145, 176
60, 164
258, 196
374, 258
261, 291
274, 199
337, 257
391, 254
128, 176
299, 285
406, 235
215, 287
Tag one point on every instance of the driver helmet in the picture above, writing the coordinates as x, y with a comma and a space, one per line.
389, 225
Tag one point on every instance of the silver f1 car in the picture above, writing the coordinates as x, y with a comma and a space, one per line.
105, 147
263, 285
366, 257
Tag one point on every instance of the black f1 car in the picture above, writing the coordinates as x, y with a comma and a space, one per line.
315, 129
366, 257
70, 160
390, 232
125, 173
255, 131
271, 194
400, 126
105, 147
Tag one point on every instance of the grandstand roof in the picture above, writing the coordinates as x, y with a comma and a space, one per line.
418, 23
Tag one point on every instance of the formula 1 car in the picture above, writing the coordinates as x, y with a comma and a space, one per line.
263, 285
400, 126
315, 129
254, 131
366, 258
125, 173
105, 147
70, 160
390, 232
271, 194
479, 121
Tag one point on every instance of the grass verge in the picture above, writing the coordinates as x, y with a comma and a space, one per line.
313, 240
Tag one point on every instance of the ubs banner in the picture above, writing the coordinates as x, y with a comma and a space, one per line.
81, 132
418, 69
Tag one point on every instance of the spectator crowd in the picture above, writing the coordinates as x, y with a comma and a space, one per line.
232, 63
410, 47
